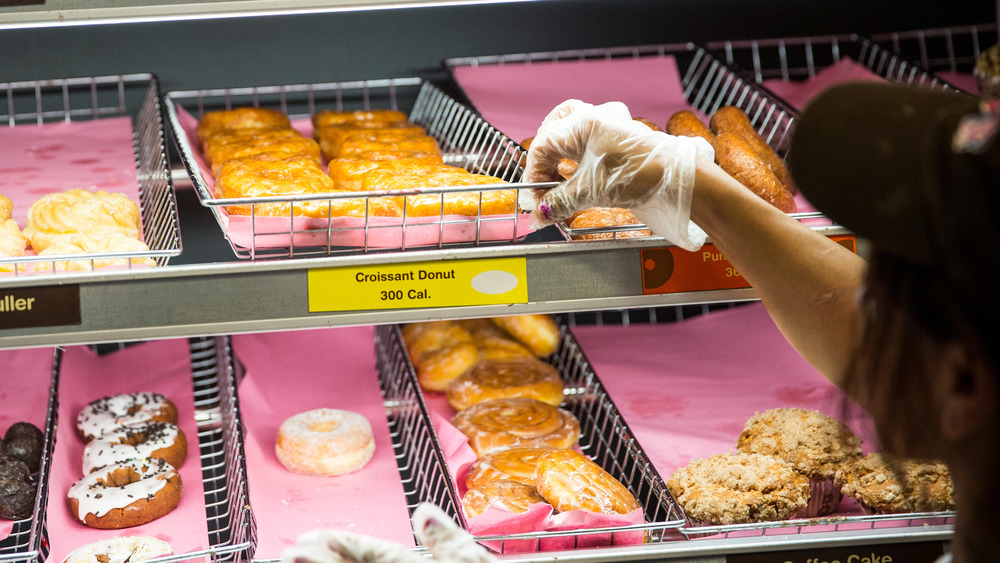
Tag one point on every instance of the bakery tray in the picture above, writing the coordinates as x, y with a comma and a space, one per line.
466, 140
28, 541
708, 84
137, 96
801, 58
605, 438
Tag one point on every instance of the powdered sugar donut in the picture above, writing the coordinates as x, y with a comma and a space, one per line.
325, 442
137, 441
125, 494
118, 410
120, 550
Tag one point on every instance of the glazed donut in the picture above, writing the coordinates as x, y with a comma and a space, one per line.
504, 378
593, 217
539, 333
512, 464
128, 549
240, 118
136, 441
325, 442
327, 117
568, 480
124, 409
512, 495
505, 423
686, 123
440, 351
492, 342
732, 119
738, 159
125, 494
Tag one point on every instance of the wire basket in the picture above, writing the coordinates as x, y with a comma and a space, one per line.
28, 541
24, 104
605, 438
708, 84
466, 140
801, 58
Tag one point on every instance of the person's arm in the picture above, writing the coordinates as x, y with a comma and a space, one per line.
809, 284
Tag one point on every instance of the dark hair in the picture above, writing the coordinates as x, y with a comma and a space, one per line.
909, 312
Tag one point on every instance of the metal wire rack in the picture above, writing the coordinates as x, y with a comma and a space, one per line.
946, 49
605, 438
28, 541
466, 140
800, 58
708, 84
137, 96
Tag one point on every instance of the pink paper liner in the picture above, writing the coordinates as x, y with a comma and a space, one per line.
799, 93
163, 367
36, 160
265, 232
739, 353
24, 394
539, 518
291, 372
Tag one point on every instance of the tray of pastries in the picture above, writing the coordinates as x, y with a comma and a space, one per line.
86, 178
394, 164
530, 454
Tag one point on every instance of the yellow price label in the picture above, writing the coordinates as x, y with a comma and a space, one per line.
445, 283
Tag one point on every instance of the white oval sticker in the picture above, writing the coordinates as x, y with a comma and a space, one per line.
494, 282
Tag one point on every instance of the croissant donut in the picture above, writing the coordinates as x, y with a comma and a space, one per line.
505, 423
440, 352
539, 332
739, 160
512, 495
569, 480
506, 377
593, 217
686, 124
492, 342
733, 119
512, 464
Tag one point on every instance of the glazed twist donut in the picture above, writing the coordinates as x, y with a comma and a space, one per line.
505, 423
732, 119
125, 494
740, 161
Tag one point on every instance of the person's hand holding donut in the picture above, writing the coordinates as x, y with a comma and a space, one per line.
623, 163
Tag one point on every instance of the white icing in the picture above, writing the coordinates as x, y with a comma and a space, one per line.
120, 550
110, 412
108, 448
97, 499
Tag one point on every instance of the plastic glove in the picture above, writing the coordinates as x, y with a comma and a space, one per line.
622, 164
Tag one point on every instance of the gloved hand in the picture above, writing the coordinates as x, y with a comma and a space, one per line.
623, 163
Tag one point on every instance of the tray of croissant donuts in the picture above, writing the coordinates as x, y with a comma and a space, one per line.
537, 456
327, 175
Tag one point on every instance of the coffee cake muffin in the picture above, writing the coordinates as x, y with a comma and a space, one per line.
883, 484
815, 444
987, 73
739, 488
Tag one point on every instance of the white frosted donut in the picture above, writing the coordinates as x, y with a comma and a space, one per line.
118, 410
136, 441
120, 550
125, 494
325, 442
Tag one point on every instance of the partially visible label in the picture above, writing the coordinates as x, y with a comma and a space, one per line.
675, 270
444, 283
29, 307
915, 552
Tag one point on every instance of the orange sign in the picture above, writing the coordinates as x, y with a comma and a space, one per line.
675, 270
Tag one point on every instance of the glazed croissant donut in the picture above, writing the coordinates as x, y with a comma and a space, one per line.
738, 159
514, 496
492, 342
440, 351
505, 423
504, 378
732, 119
568, 480
540, 333
512, 464
61, 215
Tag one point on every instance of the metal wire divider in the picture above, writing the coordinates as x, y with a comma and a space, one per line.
28, 541
605, 438
945, 49
800, 58
77, 99
708, 84
231, 525
466, 140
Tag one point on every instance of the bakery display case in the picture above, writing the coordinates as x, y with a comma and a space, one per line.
218, 284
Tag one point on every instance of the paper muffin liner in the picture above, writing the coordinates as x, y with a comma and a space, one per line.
824, 497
